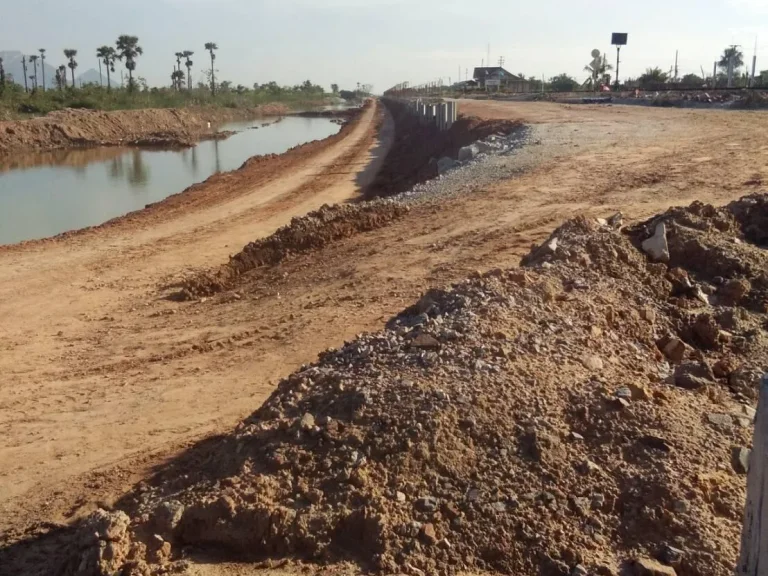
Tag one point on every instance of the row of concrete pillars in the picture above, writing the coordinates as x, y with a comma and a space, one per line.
441, 115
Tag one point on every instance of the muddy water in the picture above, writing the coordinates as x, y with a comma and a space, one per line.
48, 193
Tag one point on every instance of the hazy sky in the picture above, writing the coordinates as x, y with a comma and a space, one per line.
384, 42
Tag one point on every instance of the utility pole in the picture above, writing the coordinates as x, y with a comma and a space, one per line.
618, 61
24, 66
676, 53
730, 64
501, 61
489, 54
714, 75
754, 65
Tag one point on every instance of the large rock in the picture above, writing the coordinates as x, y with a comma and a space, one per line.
445, 164
656, 246
693, 376
468, 152
648, 567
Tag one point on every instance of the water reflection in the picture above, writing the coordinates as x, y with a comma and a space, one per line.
47, 193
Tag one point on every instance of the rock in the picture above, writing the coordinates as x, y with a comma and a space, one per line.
400, 497
693, 376
167, 517
591, 362
109, 525
733, 291
579, 570
468, 153
587, 467
576, 436
707, 331
427, 504
740, 459
486, 147
670, 555
542, 447
648, 314
307, 422
745, 380
624, 392
673, 348
648, 567
723, 367
616, 220
656, 442
445, 164
428, 534
656, 246
720, 420
747, 411
425, 342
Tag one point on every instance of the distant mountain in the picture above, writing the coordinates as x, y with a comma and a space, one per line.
13, 66
89, 77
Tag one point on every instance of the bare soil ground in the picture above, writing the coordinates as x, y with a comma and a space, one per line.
167, 127
105, 378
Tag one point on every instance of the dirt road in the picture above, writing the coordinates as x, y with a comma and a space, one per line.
104, 377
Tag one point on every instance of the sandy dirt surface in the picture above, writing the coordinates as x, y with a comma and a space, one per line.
168, 127
104, 377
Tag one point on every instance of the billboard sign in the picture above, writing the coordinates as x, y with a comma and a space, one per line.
619, 38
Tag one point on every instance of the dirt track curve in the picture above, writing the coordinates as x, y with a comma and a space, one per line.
104, 376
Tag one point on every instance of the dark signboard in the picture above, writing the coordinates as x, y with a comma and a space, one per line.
619, 38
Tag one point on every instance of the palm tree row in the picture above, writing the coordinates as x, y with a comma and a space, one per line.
127, 49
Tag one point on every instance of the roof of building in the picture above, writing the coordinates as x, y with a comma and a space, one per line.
485, 71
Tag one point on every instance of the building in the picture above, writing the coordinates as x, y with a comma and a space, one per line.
496, 77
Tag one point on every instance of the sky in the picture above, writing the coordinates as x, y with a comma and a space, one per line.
385, 42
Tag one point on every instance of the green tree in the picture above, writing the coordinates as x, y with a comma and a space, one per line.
42, 64
70, 54
188, 63
34, 59
212, 47
728, 53
61, 77
692, 81
2, 77
335, 89
107, 54
652, 77
563, 83
128, 48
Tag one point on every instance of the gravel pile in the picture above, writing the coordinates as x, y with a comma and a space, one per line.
588, 412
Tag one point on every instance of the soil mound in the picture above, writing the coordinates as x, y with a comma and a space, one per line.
587, 411
149, 127
303, 234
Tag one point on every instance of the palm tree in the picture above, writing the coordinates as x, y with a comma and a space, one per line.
61, 77
33, 59
2, 76
728, 53
179, 56
128, 48
188, 64
107, 54
70, 54
178, 77
211, 47
596, 72
42, 64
